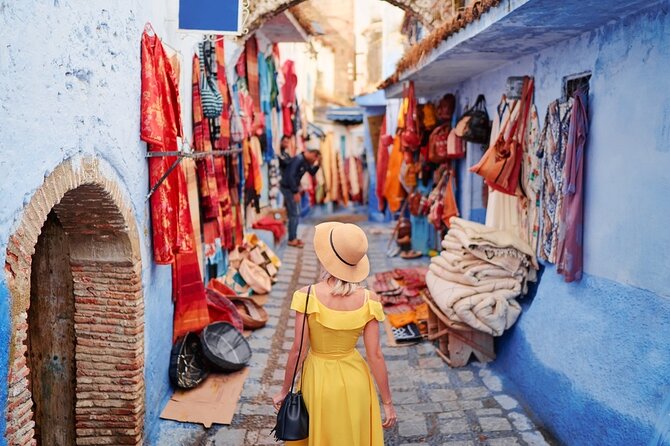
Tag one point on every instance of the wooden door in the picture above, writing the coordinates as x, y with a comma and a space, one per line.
51, 341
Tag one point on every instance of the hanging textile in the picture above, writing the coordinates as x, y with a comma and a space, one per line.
251, 54
190, 307
288, 97
553, 144
502, 209
223, 140
571, 243
531, 184
342, 179
393, 191
160, 127
382, 163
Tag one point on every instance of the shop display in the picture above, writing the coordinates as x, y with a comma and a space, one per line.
225, 347
479, 274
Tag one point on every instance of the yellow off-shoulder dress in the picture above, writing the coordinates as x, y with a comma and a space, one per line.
337, 387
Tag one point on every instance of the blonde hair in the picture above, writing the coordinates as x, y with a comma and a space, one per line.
341, 287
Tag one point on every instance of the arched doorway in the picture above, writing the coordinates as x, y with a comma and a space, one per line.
77, 354
429, 12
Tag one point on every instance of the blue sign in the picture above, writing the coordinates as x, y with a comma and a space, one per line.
211, 16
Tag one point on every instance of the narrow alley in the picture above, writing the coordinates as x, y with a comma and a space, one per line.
485, 181
437, 405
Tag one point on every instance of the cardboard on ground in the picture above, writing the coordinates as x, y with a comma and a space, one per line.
213, 401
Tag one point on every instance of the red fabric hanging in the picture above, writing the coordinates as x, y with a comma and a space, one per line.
253, 83
160, 127
288, 96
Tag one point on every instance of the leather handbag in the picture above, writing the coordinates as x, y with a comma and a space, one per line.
475, 126
414, 203
293, 418
437, 144
455, 146
501, 164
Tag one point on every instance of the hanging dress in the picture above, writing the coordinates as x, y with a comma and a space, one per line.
502, 209
553, 143
337, 386
571, 242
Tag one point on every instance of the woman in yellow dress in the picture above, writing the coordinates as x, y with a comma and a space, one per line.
336, 381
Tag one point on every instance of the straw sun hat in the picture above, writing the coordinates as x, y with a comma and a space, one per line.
342, 248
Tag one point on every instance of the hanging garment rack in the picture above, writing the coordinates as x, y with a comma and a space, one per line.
180, 156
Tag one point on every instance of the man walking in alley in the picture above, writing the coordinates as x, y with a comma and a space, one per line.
294, 169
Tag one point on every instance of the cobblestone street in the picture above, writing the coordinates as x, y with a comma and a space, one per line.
436, 405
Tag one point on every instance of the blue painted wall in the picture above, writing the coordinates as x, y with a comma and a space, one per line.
78, 95
592, 359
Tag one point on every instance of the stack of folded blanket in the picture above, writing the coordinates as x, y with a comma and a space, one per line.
479, 274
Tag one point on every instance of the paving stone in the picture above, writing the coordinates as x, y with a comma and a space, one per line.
520, 421
424, 407
473, 393
273, 311
458, 443
454, 426
488, 412
439, 395
534, 439
278, 375
287, 345
405, 397
227, 437
412, 429
450, 415
492, 424
431, 362
493, 383
414, 444
466, 376
507, 441
462, 405
507, 402
257, 409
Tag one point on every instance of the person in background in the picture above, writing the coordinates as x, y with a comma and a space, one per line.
292, 173
284, 155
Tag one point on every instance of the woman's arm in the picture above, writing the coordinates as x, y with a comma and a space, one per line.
293, 357
375, 358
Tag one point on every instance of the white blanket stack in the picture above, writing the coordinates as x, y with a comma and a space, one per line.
479, 274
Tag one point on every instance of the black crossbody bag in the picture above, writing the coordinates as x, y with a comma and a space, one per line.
292, 418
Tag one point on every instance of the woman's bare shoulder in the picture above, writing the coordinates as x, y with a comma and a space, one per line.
373, 296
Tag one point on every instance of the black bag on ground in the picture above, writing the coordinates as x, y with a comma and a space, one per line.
293, 418
188, 367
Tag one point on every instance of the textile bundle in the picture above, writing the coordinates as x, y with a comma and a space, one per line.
479, 274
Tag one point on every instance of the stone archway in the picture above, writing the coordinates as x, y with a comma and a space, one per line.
105, 267
429, 12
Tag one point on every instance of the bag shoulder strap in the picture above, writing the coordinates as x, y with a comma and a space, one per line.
302, 337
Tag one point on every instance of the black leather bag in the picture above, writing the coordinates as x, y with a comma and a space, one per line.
475, 125
292, 418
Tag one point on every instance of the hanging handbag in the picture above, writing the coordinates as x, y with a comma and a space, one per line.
293, 418
410, 136
437, 144
501, 164
414, 203
210, 96
455, 146
474, 125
